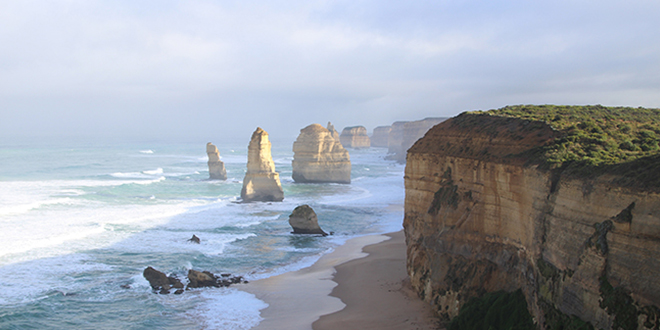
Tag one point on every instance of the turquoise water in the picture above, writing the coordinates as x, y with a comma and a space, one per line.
81, 221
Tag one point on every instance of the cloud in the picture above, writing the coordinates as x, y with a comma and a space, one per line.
200, 68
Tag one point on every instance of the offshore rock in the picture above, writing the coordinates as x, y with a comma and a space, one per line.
380, 136
479, 219
157, 280
217, 169
261, 182
318, 157
303, 220
354, 137
404, 134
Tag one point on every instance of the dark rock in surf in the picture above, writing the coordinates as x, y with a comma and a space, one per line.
194, 239
158, 280
303, 220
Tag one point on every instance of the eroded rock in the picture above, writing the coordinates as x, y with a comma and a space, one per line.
261, 182
303, 220
217, 169
319, 157
355, 137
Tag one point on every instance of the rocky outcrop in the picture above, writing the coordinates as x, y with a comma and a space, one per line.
217, 169
261, 182
318, 157
303, 220
355, 137
404, 134
479, 218
160, 282
335, 134
380, 136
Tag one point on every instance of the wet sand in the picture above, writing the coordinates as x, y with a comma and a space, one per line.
347, 289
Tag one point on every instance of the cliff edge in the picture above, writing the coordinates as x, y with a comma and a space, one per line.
484, 213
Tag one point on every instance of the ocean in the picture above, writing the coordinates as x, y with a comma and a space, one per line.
80, 222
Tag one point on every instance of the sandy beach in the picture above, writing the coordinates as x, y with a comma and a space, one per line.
361, 285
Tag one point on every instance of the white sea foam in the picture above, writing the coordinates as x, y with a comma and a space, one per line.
147, 151
227, 308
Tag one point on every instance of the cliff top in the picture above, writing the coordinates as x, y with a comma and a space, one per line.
586, 141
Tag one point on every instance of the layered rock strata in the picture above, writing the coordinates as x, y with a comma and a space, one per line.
355, 137
261, 182
404, 134
217, 169
303, 220
318, 157
479, 218
380, 136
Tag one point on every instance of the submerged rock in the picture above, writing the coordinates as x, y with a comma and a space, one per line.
319, 157
355, 137
303, 220
261, 182
217, 169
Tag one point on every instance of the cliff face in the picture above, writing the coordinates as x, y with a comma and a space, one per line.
404, 134
478, 219
261, 182
380, 136
354, 137
318, 157
217, 169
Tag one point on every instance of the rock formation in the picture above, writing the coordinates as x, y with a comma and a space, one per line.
217, 169
479, 218
334, 132
380, 136
318, 157
261, 182
303, 220
354, 137
160, 282
404, 134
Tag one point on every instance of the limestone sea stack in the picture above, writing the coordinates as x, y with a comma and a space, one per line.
332, 130
303, 220
355, 137
261, 182
217, 169
318, 157
380, 136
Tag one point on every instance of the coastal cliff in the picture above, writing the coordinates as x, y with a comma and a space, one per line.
482, 215
319, 157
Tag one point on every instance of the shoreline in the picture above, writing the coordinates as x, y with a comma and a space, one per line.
360, 285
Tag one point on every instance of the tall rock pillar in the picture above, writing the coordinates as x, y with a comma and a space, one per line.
217, 169
261, 182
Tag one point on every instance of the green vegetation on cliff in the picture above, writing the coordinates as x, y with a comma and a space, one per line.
495, 310
594, 134
595, 139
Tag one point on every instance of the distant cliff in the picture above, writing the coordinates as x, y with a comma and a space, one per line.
404, 134
485, 211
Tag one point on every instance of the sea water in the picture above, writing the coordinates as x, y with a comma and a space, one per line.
80, 222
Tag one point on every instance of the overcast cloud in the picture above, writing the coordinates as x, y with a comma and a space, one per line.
211, 70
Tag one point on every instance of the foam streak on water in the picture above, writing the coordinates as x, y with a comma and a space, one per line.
78, 230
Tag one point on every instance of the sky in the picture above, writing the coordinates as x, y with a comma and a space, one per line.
214, 70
